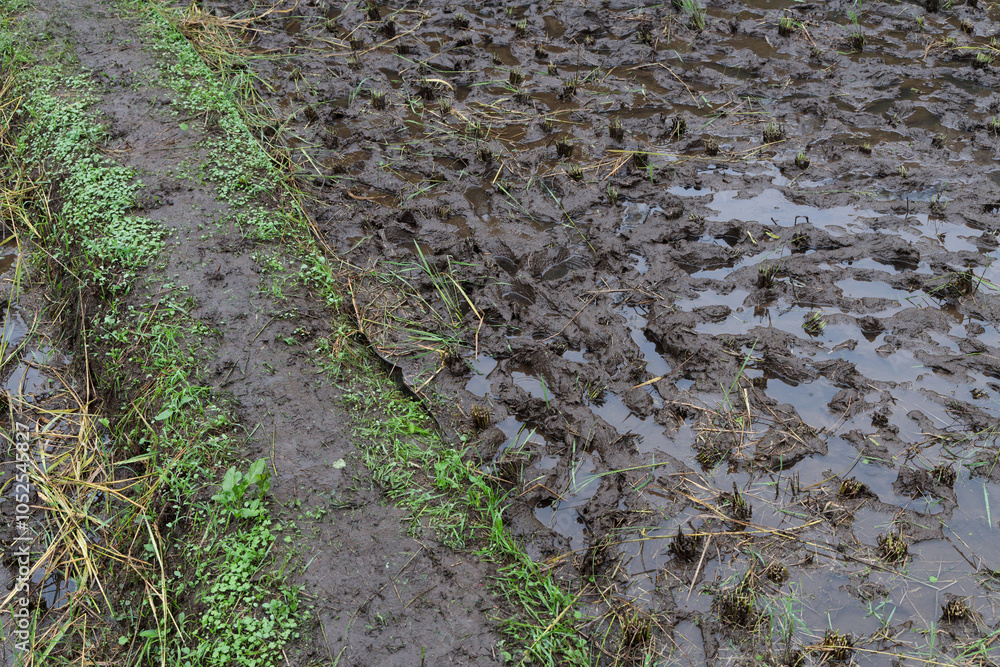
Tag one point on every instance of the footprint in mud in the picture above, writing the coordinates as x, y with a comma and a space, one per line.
545, 264
634, 214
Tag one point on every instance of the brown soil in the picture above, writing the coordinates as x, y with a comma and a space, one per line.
660, 334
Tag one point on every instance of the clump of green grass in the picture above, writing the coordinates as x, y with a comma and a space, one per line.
569, 87
709, 455
802, 160
767, 274
481, 417
787, 26
944, 474
475, 129
636, 642
600, 557
644, 33
695, 13
776, 572
612, 195
773, 132
856, 40
432, 478
814, 323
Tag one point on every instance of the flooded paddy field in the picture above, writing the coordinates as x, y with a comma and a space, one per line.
710, 291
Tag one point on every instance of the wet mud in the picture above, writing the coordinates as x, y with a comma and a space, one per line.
674, 269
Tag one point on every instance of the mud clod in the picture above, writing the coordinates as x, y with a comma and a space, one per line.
773, 132
636, 634
892, 548
852, 488
836, 646
685, 547
616, 130
711, 146
776, 572
678, 127
737, 606
564, 149
956, 610
482, 418
944, 474
736, 505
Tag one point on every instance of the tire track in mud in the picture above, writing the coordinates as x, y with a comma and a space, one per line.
380, 596
666, 260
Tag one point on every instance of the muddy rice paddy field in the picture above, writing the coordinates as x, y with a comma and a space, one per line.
711, 293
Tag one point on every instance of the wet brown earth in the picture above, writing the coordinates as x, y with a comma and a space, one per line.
685, 270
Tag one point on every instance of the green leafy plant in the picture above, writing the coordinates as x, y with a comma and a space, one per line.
235, 485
